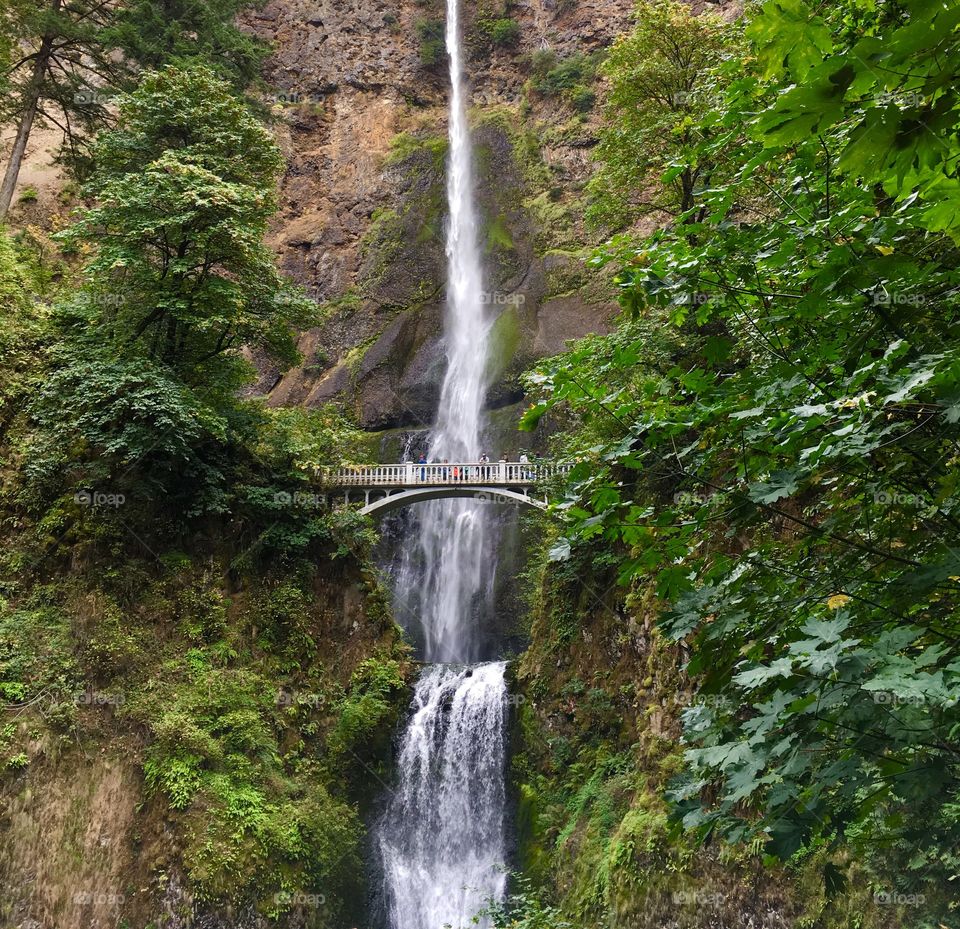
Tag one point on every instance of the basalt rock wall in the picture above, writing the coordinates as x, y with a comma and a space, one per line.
359, 92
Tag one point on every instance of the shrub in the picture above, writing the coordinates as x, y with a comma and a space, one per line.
565, 75
582, 98
503, 33
569, 78
542, 61
431, 33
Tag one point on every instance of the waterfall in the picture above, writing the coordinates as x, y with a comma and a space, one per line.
442, 839
445, 582
458, 430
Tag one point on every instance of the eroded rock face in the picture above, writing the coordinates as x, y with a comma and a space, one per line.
362, 120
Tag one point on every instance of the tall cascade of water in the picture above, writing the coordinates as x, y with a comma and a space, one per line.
442, 840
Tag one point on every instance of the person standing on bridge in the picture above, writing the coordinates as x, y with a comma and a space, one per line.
484, 470
422, 460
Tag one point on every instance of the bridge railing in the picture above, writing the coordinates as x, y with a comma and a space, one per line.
414, 474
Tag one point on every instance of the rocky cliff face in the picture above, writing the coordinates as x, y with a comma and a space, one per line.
89, 839
360, 94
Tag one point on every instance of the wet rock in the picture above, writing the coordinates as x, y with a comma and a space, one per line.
362, 228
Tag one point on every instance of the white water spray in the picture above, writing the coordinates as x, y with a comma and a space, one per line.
442, 839
442, 842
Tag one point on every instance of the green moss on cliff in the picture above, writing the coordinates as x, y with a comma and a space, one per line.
405, 146
498, 234
505, 339
255, 715
399, 247
597, 745
523, 138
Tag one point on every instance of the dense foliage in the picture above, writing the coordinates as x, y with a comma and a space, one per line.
64, 62
663, 79
184, 190
170, 573
772, 435
175, 280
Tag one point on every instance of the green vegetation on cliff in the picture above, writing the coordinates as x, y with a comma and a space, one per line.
740, 700
770, 440
176, 596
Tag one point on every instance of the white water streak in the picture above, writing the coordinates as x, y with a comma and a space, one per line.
457, 436
441, 841
446, 579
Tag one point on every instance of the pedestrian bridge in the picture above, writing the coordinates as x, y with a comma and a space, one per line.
387, 487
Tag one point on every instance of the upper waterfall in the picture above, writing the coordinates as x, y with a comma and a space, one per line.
459, 426
445, 583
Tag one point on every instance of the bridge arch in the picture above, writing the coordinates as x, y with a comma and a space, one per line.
395, 501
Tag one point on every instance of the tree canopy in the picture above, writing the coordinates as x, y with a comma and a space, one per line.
772, 435
65, 61
184, 189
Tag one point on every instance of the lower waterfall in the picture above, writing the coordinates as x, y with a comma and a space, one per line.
442, 842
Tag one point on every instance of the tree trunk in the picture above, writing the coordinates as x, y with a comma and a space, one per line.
26, 119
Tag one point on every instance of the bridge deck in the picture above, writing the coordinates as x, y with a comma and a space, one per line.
449, 474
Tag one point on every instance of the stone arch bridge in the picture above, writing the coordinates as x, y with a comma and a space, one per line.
387, 487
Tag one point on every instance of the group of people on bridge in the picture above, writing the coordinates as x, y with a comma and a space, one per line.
482, 468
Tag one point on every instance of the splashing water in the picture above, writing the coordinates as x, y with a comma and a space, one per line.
442, 839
